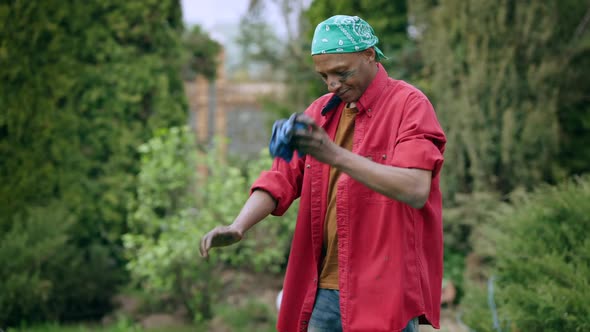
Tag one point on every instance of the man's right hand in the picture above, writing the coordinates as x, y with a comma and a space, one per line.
220, 236
257, 207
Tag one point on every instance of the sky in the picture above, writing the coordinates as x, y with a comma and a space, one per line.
214, 14
218, 17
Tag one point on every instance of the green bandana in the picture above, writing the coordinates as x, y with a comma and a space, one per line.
344, 34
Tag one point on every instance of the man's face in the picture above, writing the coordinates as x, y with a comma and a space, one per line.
347, 74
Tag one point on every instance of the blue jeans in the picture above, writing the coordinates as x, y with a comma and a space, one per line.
325, 316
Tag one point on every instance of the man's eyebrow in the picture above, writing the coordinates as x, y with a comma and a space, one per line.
340, 68
337, 69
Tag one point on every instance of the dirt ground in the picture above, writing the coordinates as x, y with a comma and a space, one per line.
448, 323
265, 288
239, 287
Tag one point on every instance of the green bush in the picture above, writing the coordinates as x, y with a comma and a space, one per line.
477, 313
250, 316
28, 251
540, 261
37, 253
182, 194
462, 223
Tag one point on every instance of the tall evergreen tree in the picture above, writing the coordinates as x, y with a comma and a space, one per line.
82, 84
502, 76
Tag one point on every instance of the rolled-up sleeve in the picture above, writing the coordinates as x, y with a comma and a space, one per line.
421, 140
283, 182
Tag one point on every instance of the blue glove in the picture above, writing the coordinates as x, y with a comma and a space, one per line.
282, 134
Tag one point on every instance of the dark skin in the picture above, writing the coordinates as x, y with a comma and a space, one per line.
257, 207
347, 75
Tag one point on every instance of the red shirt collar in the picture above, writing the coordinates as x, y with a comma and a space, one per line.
374, 89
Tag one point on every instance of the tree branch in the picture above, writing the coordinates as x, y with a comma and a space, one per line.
583, 24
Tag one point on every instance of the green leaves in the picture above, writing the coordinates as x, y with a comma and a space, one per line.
541, 259
501, 86
183, 193
82, 85
200, 54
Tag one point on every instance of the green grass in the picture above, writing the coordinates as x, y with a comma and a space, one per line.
250, 316
81, 328
121, 326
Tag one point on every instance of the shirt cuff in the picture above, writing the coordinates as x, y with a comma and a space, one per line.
278, 187
418, 153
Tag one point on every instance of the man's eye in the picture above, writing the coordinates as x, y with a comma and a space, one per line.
345, 75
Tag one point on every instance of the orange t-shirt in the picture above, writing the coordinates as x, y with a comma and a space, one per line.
344, 138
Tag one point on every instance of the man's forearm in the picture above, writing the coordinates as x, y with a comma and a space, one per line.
257, 207
411, 186
407, 185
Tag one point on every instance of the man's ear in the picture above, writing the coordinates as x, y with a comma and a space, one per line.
370, 54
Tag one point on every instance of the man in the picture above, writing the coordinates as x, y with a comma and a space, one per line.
367, 250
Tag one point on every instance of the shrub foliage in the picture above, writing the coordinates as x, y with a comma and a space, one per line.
541, 261
183, 193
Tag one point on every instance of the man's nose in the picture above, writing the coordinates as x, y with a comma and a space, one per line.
333, 83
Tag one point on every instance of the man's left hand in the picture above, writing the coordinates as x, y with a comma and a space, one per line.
314, 141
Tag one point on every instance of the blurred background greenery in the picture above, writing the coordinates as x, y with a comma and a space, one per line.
105, 192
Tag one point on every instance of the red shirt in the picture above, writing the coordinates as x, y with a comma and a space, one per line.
390, 255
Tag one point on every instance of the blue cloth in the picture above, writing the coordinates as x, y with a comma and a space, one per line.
332, 103
282, 133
